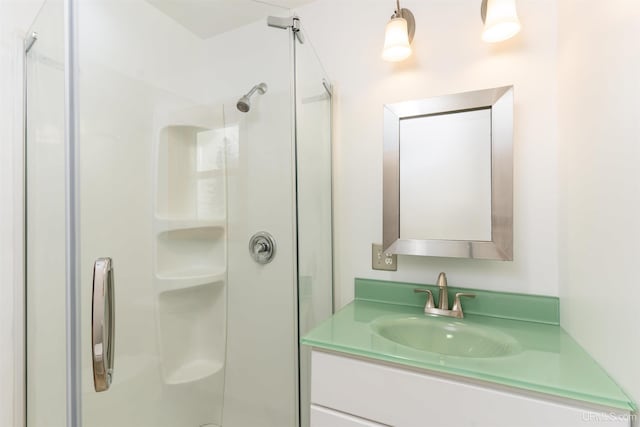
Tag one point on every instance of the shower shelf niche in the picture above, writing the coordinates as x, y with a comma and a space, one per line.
189, 228
178, 280
192, 338
191, 173
194, 371
171, 224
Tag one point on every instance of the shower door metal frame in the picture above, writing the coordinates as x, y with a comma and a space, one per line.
72, 283
20, 353
72, 286
293, 29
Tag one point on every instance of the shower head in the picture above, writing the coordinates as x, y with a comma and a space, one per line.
244, 103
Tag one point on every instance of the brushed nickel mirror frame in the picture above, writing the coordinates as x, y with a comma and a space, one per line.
500, 101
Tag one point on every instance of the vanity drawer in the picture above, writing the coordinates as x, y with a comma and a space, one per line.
323, 417
404, 398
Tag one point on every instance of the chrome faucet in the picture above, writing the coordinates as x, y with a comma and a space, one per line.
443, 300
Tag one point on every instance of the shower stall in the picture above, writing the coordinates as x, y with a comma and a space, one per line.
178, 213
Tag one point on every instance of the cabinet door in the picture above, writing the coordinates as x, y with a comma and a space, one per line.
402, 398
323, 417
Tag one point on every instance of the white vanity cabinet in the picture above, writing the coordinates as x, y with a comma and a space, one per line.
323, 417
350, 392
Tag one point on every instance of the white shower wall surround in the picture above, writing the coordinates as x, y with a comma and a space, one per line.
174, 181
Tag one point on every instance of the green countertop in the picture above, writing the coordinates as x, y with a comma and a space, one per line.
550, 362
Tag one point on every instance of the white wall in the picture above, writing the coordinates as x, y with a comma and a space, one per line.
449, 57
599, 142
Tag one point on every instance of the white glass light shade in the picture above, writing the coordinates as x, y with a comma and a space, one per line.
501, 22
396, 41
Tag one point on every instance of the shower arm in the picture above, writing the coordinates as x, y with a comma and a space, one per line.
252, 91
260, 87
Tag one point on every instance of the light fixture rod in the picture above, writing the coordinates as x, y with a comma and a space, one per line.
483, 10
398, 13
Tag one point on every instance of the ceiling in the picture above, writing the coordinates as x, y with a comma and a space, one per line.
206, 18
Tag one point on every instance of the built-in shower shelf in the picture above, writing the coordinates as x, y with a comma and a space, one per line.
167, 224
179, 280
190, 247
193, 371
211, 173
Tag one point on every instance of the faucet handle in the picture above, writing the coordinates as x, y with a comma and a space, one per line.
430, 303
457, 307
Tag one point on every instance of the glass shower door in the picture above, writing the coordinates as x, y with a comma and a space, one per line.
179, 326
45, 220
261, 386
152, 192
174, 180
152, 196
314, 203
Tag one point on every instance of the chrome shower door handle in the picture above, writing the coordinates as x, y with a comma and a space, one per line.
102, 324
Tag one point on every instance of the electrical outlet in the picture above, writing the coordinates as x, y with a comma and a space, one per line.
381, 260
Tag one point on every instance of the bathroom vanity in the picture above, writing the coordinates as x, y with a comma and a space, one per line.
350, 392
380, 361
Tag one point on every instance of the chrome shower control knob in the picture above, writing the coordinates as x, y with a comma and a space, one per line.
262, 247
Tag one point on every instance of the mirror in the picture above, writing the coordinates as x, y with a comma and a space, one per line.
448, 171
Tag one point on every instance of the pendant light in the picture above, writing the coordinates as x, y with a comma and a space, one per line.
500, 20
399, 35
